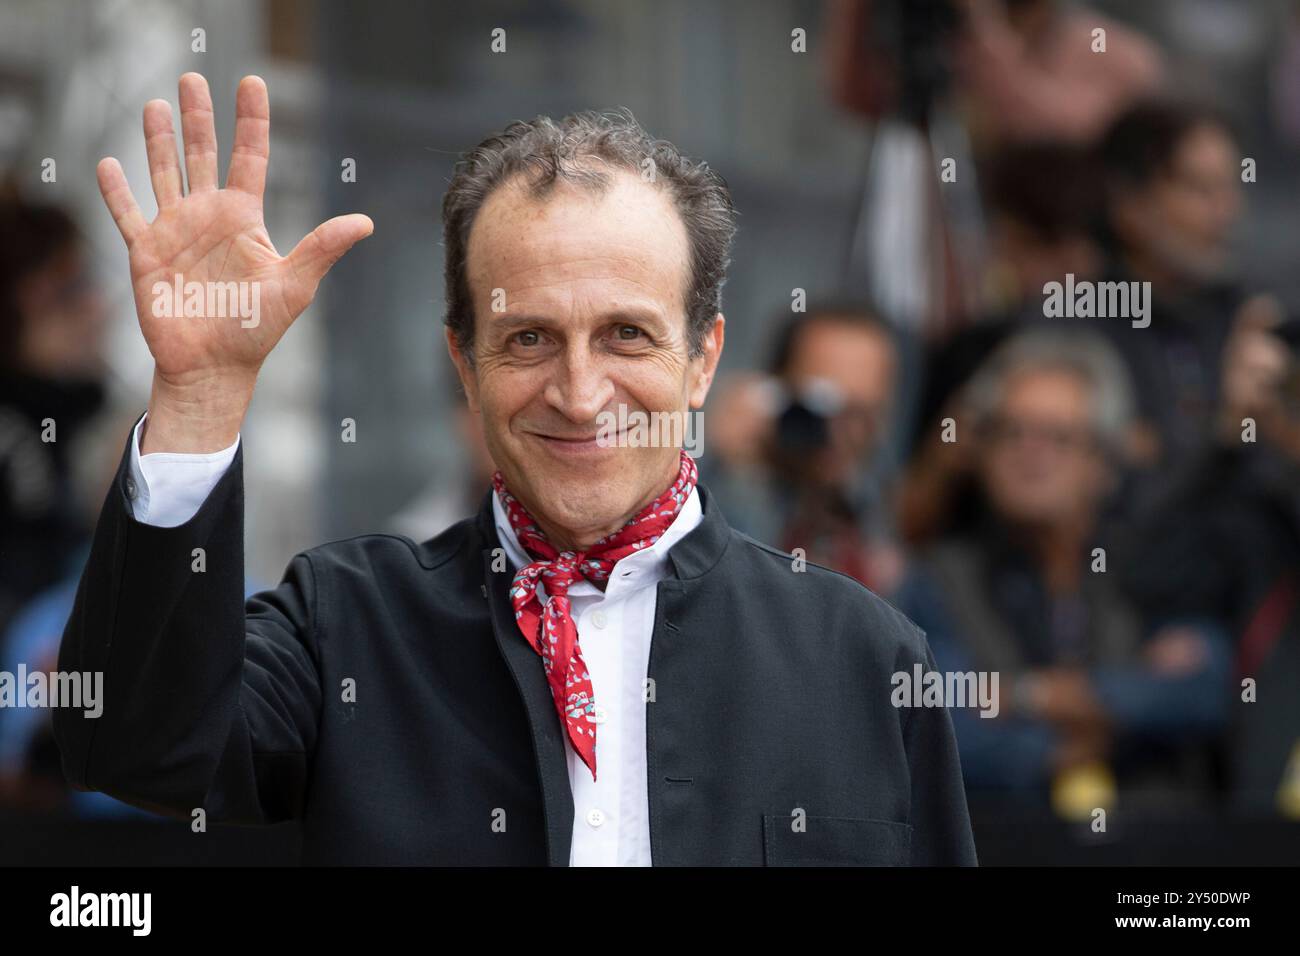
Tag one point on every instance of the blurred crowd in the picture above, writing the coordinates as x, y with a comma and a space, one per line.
1104, 513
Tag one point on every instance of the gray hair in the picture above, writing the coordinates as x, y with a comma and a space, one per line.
544, 151
1084, 354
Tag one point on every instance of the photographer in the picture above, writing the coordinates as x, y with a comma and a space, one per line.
798, 448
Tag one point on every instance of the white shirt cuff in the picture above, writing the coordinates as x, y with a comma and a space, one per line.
171, 487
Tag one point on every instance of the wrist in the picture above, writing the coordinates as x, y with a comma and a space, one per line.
201, 416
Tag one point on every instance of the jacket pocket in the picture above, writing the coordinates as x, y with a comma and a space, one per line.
836, 841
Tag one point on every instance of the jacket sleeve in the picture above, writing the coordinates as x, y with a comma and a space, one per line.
206, 702
941, 830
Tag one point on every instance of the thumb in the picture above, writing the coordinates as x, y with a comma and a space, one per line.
326, 244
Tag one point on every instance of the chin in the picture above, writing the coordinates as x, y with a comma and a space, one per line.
593, 501
574, 497
583, 489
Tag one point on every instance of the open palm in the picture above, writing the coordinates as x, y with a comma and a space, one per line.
215, 235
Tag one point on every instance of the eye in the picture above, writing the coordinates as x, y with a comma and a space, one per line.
623, 331
528, 337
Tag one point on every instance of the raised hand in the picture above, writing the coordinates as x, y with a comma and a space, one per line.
205, 366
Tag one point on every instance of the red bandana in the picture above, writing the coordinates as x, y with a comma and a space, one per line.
551, 629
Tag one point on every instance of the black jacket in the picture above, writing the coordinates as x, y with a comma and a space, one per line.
771, 701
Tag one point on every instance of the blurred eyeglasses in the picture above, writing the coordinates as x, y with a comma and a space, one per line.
1002, 430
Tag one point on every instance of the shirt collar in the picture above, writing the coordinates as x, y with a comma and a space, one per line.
637, 569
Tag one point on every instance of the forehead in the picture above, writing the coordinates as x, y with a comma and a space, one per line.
837, 341
575, 241
1205, 145
1047, 391
859, 358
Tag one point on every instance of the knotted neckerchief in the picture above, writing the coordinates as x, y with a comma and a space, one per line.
550, 629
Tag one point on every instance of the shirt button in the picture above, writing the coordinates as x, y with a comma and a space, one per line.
599, 715
595, 817
598, 618
130, 488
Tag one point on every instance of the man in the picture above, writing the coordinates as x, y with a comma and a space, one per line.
1228, 532
431, 704
1094, 694
1173, 198
794, 452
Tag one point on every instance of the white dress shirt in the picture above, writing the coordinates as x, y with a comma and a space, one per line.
169, 487
611, 818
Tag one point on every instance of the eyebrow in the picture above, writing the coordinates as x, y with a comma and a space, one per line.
634, 314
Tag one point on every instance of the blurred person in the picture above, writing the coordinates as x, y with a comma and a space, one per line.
1173, 200
1170, 191
1042, 199
1094, 698
1033, 70
1024, 70
1224, 540
52, 323
396, 697
31, 774
954, 83
794, 451
937, 491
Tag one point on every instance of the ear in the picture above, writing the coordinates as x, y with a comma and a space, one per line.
468, 378
706, 366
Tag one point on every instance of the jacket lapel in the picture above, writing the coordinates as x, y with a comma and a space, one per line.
681, 622
526, 668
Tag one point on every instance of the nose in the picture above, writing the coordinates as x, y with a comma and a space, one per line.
580, 387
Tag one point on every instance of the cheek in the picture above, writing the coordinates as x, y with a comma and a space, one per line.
1099, 476
504, 393
664, 398
1191, 214
654, 384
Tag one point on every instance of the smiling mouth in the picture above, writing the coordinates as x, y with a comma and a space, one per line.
587, 443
